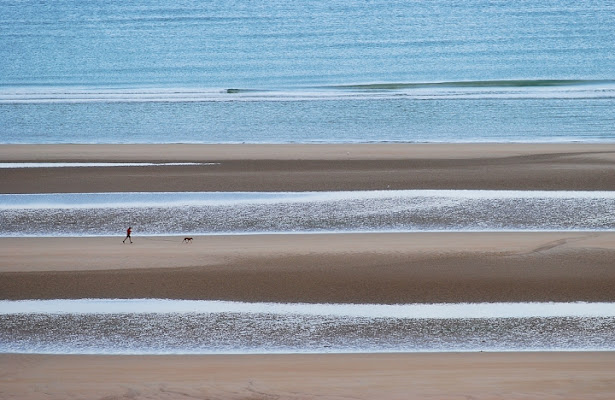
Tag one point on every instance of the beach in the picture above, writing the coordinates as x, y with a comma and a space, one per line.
385, 200
378, 268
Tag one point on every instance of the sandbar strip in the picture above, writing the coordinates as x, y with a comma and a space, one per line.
309, 167
385, 268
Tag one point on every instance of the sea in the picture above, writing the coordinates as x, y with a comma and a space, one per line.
304, 71
315, 71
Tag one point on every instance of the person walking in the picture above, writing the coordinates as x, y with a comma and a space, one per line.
128, 232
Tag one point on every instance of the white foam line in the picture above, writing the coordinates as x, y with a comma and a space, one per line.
101, 164
63, 95
412, 311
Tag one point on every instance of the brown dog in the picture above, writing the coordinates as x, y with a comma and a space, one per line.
187, 240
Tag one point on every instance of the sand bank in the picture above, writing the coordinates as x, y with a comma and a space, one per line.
359, 151
306, 167
347, 268
359, 268
328, 376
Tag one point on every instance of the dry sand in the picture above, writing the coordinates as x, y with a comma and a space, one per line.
378, 268
343, 376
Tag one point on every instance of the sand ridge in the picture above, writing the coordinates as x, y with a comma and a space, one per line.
317, 268
313, 167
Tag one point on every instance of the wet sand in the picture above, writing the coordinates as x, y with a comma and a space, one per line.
321, 268
314, 167
365, 268
342, 376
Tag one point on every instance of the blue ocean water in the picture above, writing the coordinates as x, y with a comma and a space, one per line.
306, 71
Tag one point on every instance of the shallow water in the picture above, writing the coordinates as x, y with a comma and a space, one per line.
151, 326
167, 213
368, 119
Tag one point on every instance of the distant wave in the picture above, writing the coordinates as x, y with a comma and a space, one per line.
539, 88
519, 83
